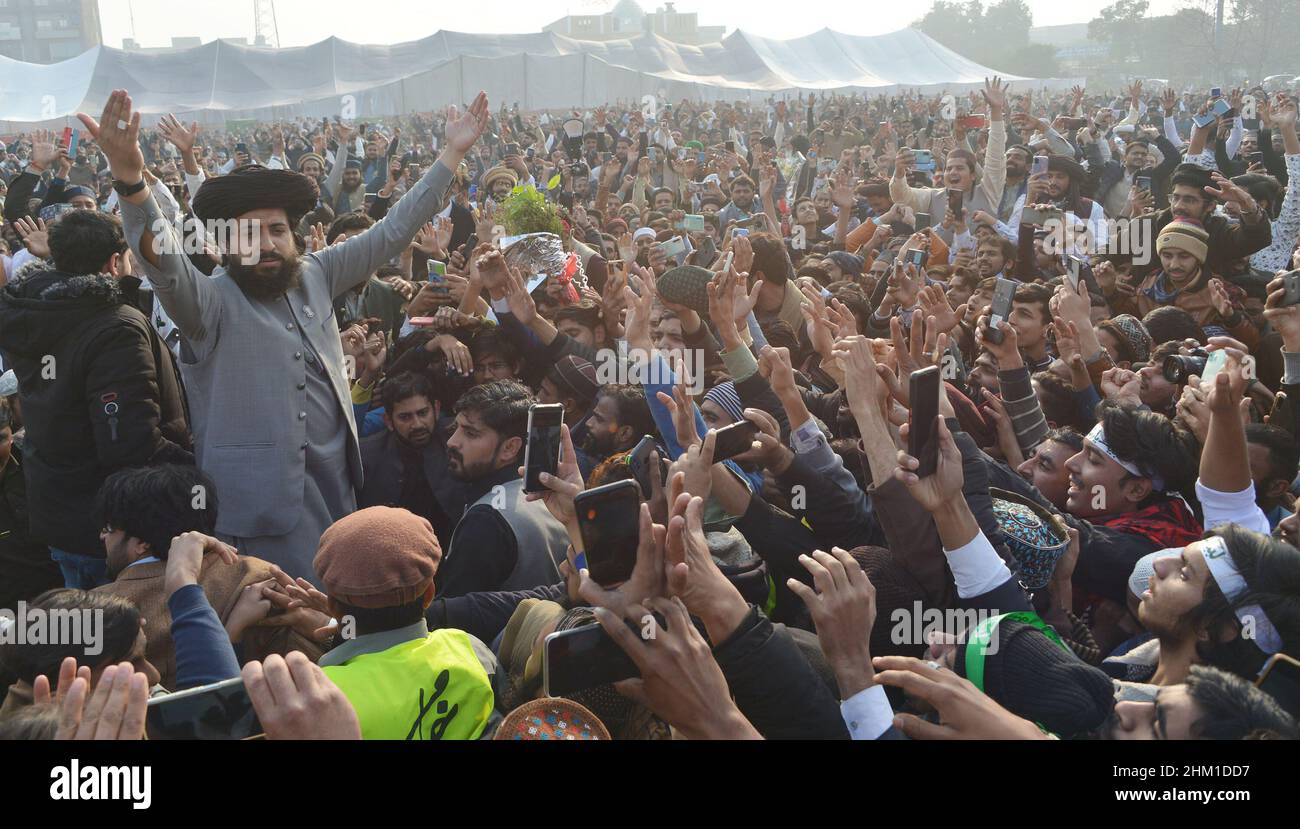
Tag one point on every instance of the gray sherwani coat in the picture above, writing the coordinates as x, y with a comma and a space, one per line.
268, 390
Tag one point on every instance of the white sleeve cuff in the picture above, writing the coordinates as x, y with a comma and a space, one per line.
1232, 508
807, 437
867, 713
501, 306
976, 567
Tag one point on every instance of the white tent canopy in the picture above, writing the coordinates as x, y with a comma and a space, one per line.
223, 80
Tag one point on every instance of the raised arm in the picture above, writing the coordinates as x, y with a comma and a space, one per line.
189, 298
352, 262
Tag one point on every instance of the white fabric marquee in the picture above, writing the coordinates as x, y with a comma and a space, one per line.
224, 81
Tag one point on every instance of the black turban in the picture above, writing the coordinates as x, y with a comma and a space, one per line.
1057, 164
253, 187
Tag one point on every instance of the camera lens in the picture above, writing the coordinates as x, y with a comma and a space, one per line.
1179, 367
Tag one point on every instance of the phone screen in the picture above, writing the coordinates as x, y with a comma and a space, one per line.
609, 520
733, 440
542, 453
582, 658
1001, 308
922, 221
922, 439
955, 202
220, 711
1214, 364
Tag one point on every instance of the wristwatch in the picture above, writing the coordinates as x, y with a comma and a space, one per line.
123, 189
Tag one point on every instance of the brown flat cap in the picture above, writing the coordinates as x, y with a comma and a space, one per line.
378, 557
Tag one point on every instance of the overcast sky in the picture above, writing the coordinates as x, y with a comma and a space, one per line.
392, 21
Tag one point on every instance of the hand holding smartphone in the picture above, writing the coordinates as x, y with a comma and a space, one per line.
1000, 310
609, 520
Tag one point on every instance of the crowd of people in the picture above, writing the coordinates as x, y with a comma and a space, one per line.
268, 394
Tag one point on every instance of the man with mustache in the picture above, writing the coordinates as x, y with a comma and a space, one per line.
260, 351
503, 541
406, 464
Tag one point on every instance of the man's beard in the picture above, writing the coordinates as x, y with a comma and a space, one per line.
463, 472
596, 447
257, 285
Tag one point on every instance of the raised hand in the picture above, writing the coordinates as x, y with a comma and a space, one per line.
562, 487
181, 137
936, 491
34, 235
118, 135
462, 132
842, 604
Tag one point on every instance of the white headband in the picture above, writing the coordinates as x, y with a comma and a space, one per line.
1232, 584
1098, 437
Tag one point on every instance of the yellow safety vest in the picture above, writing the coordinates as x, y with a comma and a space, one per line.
426, 689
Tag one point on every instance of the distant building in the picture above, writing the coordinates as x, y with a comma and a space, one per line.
130, 45
48, 31
626, 19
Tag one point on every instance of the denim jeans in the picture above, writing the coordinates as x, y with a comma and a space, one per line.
81, 571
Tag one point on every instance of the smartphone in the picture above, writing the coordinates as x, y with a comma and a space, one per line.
734, 439
916, 257
673, 248
924, 160
585, 657
473, 194
740, 231
1039, 165
542, 453
609, 519
1000, 311
693, 223
955, 202
653, 154
71, 138
510, 149
1142, 183
241, 147
731, 254
1216, 92
220, 711
437, 270
922, 436
421, 322
1218, 109
706, 252
922, 221
701, 158
731, 146
1254, 158
1280, 679
1214, 364
639, 460
1291, 286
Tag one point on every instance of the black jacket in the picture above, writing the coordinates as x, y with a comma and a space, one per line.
26, 569
99, 391
385, 471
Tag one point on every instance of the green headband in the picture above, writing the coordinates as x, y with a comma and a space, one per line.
977, 641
